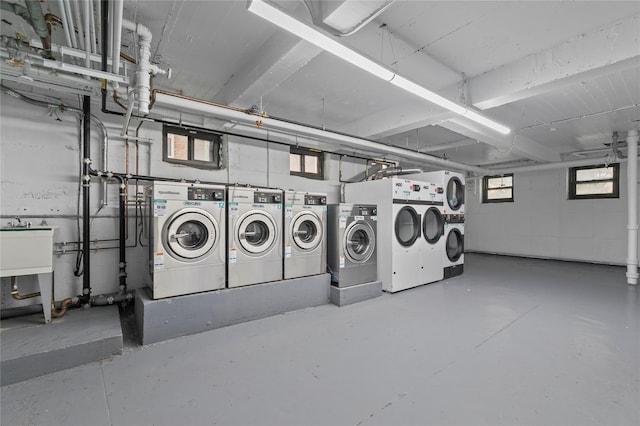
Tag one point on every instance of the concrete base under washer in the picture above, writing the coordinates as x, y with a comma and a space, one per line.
31, 348
356, 293
164, 319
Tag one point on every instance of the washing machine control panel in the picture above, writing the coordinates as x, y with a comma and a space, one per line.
205, 194
368, 210
315, 200
267, 198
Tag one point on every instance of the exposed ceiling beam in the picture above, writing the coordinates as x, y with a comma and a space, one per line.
586, 56
515, 143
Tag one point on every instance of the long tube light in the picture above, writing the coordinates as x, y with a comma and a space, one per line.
278, 17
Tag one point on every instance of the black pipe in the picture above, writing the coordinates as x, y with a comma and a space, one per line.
123, 246
104, 5
86, 187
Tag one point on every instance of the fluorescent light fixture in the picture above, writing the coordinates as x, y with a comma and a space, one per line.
278, 17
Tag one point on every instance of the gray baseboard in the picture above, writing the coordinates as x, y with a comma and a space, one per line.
342, 296
164, 319
31, 348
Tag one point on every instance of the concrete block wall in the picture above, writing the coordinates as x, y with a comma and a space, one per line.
543, 222
39, 173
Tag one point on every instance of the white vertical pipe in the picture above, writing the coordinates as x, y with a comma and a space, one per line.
86, 9
143, 72
78, 20
72, 28
632, 189
98, 25
92, 33
65, 23
117, 35
110, 30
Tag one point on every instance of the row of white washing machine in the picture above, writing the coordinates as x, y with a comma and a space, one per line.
420, 226
207, 237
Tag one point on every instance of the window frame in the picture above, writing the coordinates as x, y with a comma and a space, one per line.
193, 134
573, 182
486, 189
307, 152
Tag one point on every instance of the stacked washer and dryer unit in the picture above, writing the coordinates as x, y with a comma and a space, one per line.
453, 214
410, 229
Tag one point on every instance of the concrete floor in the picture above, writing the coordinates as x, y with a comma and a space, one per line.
512, 341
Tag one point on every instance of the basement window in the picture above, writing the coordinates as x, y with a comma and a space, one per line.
306, 162
497, 189
589, 182
191, 147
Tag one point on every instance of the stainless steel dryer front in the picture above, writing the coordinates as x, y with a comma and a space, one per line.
254, 235
187, 238
305, 242
352, 253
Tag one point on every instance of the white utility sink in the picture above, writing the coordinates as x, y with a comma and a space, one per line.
29, 251
26, 251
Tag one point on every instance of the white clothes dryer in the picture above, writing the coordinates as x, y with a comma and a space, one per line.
255, 226
454, 245
352, 253
405, 261
187, 238
305, 236
452, 184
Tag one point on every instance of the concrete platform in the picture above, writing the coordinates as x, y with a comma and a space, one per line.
164, 319
31, 348
356, 293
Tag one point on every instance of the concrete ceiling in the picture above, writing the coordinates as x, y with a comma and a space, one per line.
563, 75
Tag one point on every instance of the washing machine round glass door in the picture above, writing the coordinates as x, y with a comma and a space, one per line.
455, 193
407, 226
359, 242
256, 232
306, 231
455, 244
433, 225
190, 234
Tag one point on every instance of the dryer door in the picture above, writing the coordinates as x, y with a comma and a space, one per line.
455, 244
256, 232
407, 226
190, 234
455, 193
433, 225
306, 231
359, 241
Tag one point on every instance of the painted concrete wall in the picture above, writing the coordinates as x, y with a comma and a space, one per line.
39, 181
542, 222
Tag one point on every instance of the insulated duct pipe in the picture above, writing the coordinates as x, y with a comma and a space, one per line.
184, 103
632, 200
86, 188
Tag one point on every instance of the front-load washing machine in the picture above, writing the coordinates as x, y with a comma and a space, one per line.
305, 234
454, 245
351, 243
405, 261
187, 238
254, 232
